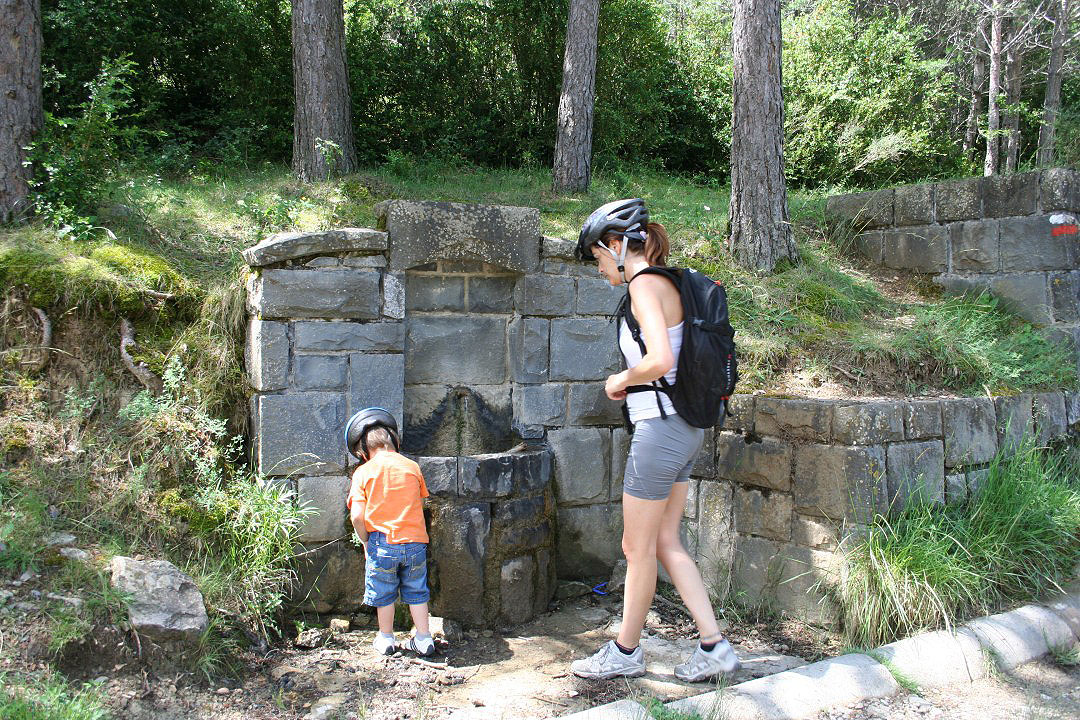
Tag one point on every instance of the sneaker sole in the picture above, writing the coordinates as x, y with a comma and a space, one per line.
609, 676
699, 678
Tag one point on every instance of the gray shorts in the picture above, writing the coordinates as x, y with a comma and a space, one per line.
662, 452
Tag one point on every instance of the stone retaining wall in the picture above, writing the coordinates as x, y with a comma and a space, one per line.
1015, 235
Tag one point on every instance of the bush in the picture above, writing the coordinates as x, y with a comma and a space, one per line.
931, 566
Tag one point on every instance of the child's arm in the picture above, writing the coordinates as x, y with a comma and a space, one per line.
356, 516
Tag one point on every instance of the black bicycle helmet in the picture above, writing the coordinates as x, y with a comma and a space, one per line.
359, 424
627, 217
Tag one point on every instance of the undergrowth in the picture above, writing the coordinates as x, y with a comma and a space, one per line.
25, 696
929, 566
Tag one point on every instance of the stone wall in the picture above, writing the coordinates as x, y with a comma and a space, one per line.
1015, 235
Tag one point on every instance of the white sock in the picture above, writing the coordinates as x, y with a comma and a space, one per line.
423, 636
387, 636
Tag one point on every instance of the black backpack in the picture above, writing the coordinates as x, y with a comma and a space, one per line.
707, 370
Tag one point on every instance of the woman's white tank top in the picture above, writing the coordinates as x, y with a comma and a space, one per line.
642, 405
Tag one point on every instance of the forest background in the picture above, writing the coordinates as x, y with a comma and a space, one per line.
878, 92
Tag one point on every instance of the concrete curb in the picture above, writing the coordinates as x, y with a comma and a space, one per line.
930, 659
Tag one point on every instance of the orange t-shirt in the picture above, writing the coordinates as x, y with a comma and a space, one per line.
393, 489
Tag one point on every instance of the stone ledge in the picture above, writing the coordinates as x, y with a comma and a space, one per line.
289, 246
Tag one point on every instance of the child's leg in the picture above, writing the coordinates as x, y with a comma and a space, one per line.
386, 618
420, 618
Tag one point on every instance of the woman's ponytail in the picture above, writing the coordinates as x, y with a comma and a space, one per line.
657, 244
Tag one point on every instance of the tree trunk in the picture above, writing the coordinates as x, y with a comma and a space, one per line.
20, 99
1012, 123
1052, 99
971, 136
322, 122
573, 143
993, 113
758, 215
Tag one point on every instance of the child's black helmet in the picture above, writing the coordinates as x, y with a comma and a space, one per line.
359, 424
626, 217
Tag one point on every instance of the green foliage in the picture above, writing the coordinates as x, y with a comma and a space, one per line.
929, 566
48, 697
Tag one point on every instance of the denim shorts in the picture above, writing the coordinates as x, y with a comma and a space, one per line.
662, 452
393, 567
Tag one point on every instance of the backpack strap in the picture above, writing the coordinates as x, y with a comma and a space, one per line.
661, 385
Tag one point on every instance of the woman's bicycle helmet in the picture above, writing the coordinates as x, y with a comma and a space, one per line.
628, 218
359, 424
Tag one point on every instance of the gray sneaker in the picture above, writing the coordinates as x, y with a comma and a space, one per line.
608, 662
720, 660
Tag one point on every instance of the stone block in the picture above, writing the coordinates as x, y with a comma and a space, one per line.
529, 349
323, 262
455, 349
867, 209
871, 245
459, 540
763, 512
813, 532
348, 294
1021, 635
963, 284
921, 249
976, 479
379, 381
620, 450
556, 247
806, 576
589, 541
291, 245
1049, 414
958, 200
716, 536
329, 578
434, 292
285, 445
596, 296
756, 569
545, 581
975, 246
326, 495
1024, 294
583, 349
936, 659
839, 482
539, 405
544, 295
320, 372
553, 267
440, 475
705, 463
1014, 421
1067, 607
741, 408
1060, 190
462, 267
393, 296
868, 423
690, 509
582, 457
1072, 408
492, 294
1065, 296
916, 473
516, 588
531, 510
970, 431
796, 417
590, 405
532, 470
1010, 195
1029, 243
914, 205
754, 460
344, 336
922, 419
486, 476
365, 261
956, 489
266, 354
500, 235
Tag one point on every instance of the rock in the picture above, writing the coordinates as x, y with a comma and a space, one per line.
26, 607
5, 595
75, 554
449, 630
572, 589
60, 540
27, 576
75, 602
165, 603
618, 578
313, 638
326, 707
223, 691
339, 625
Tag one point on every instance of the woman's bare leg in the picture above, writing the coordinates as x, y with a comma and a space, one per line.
641, 522
681, 567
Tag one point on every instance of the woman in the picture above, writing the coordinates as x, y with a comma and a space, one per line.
621, 239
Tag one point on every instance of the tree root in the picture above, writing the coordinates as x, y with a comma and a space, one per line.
148, 379
38, 364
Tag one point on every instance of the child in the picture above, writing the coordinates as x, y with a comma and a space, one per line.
386, 508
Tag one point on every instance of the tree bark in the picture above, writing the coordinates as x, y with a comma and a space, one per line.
1015, 63
993, 113
322, 122
20, 99
758, 216
573, 142
1052, 100
978, 70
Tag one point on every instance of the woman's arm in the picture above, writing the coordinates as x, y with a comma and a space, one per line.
658, 359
